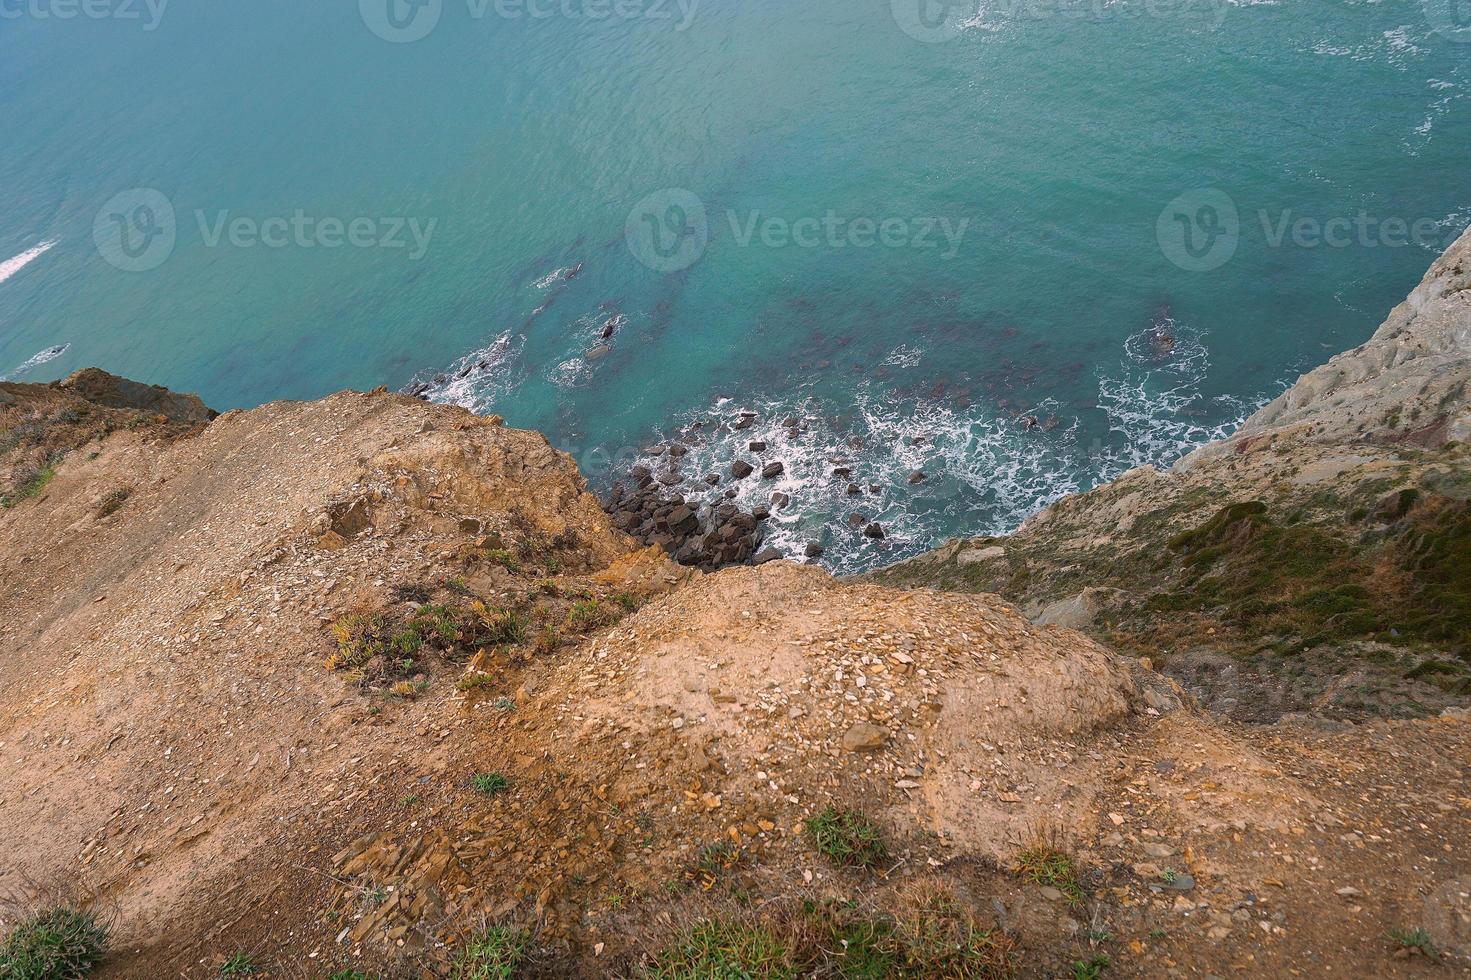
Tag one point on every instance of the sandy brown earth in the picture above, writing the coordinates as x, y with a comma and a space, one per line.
185, 742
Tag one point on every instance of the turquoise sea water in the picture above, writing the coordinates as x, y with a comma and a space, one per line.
1102, 169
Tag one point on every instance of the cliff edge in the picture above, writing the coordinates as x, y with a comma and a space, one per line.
368, 684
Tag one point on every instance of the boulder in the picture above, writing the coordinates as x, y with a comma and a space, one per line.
741, 469
682, 521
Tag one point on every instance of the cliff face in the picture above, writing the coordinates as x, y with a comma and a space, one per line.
1406, 385
1317, 560
339, 684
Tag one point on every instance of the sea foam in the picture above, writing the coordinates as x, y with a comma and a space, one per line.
13, 265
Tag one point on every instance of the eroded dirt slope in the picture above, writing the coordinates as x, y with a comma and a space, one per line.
337, 684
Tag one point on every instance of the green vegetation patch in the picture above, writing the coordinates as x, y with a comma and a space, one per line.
715, 950
935, 938
60, 943
1415, 940
490, 783
1045, 864
493, 953
381, 647
847, 837
29, 486
1409, 581
239, 965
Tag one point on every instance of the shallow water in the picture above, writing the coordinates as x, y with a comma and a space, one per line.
974, 229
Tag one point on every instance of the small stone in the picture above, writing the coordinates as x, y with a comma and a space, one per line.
864, 737
1051, 894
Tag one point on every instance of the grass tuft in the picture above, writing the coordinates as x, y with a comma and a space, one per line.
239, 965
847, 837
1415, 940
490, 783
499, 625
1046, 863
59, 943
493, 953
713, 950
1090, 969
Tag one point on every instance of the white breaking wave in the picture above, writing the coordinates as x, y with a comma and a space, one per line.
476, 380
1156, 409
11, 266
984, 472
49, 354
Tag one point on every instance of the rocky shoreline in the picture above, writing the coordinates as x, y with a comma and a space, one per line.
696, 519
708, 533
702, 514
